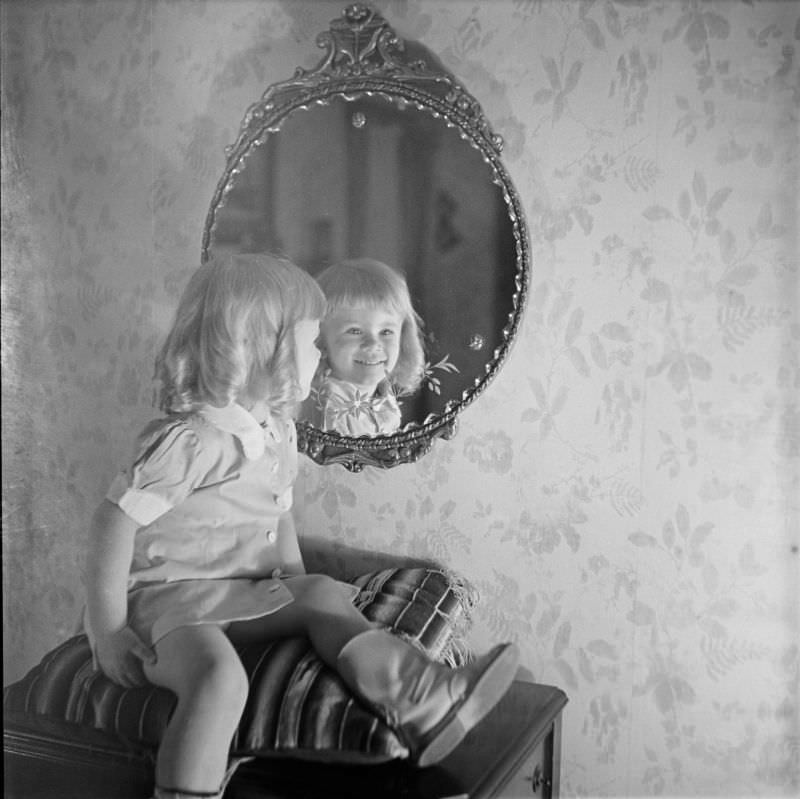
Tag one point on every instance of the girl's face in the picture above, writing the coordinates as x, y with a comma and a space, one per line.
362, 344
306, 353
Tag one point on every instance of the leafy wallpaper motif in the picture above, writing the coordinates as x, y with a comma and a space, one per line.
625, 492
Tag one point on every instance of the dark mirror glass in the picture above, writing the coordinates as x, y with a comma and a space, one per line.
379, 152
376, 177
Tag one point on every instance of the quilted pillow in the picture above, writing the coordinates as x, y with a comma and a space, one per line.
297, 706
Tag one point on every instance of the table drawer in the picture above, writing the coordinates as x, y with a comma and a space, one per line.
535, 777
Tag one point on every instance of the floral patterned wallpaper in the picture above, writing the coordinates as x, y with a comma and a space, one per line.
625, 493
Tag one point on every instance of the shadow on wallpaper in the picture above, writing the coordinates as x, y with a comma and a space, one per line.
625, 492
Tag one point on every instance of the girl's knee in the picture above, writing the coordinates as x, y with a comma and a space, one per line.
228, 678
217, 679
318, 591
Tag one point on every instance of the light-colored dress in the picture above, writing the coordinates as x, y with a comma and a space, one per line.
341, 407
208, 490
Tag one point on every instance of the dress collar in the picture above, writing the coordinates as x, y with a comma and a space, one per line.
239, 422
382, 390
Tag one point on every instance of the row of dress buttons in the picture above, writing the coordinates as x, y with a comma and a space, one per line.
284, 499
272, 537
276, 573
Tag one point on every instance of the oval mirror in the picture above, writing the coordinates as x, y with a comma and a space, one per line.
380, 153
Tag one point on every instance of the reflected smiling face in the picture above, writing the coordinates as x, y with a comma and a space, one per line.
362, 344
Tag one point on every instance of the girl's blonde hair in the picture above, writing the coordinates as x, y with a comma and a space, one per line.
233, 335
367, 283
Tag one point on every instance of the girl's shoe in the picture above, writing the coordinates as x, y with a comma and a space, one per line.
431, 706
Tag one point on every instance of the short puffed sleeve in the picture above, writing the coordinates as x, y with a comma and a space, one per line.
167, 466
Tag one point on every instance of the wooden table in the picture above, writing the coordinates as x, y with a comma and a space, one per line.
513, 753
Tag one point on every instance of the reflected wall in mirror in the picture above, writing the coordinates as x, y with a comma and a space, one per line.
381, 153
374, 178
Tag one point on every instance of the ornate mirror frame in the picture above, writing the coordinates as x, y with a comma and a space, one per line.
365, 57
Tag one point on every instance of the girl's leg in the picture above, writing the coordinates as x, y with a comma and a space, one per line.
431, 706
321, 611
201, 667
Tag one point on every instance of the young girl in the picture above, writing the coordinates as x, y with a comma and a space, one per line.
372, 349
194, 548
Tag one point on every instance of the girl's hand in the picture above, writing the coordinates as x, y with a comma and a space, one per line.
121, 656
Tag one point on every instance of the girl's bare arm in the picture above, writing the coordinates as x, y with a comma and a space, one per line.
119, 650
289, 546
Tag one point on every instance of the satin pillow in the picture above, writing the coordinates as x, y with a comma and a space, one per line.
297, 706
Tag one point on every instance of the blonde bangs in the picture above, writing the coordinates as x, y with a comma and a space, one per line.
365, 283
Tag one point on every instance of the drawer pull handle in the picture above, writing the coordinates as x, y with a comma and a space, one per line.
538, 779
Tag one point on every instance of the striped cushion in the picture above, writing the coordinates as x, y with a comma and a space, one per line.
297, 706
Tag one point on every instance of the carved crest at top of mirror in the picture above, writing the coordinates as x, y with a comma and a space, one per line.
378, 152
